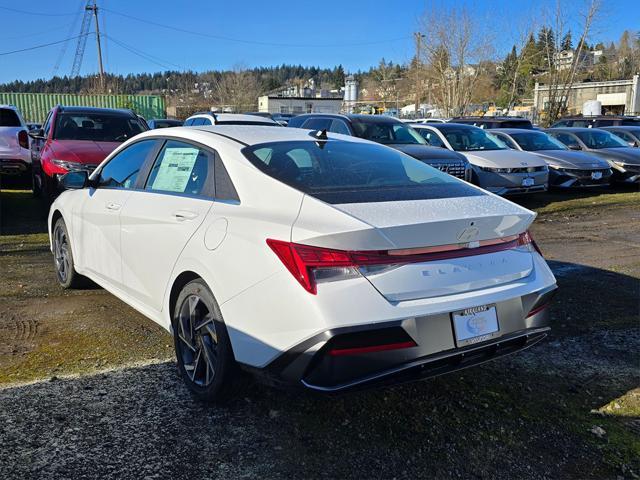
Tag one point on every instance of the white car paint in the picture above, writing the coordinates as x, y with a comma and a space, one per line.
13, 156
135, 245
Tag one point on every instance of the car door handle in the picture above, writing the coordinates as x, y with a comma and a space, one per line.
113, 206
182, 215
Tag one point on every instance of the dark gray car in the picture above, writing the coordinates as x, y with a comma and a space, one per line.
567, 168
629, 134
623, 159
391, 132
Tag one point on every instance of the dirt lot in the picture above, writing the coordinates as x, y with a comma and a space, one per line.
88, 387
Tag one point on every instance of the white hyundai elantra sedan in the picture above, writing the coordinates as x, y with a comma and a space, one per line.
332, 263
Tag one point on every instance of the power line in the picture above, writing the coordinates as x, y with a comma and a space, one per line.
37, 13
35, 47
147, 56
253, 42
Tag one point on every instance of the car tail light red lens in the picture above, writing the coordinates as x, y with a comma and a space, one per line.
303, 260
23, 139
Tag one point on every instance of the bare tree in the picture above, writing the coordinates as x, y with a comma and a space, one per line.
560, 77
237, 90
455, 51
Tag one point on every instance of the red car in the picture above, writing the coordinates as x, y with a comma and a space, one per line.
77, 138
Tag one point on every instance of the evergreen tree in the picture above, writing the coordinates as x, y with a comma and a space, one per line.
567, 41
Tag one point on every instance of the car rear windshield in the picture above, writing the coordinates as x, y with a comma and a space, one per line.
515, 124
536, 141
351, 172
9, 118
472, 139
597, 139
389, 133
96, 126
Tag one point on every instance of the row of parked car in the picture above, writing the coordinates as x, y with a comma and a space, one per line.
502, 155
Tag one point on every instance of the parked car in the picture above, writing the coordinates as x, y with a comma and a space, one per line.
494, 122
77, 138
427, 120
326, 262
623, 159
597, 121
15, 157
259, 114
283, 118
495, 167
164, 123
567, 168
388, 131
629, 134
210, 118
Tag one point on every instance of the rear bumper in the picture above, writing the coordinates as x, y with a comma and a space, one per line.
570, 178
311, 364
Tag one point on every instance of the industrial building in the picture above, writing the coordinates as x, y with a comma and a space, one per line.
297, 105
620, 97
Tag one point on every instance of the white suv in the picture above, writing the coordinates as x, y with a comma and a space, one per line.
15, 156
210, 118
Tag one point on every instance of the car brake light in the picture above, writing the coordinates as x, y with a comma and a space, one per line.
23, 139
305, 262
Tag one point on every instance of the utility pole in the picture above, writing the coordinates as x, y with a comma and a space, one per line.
94, 9
418, 36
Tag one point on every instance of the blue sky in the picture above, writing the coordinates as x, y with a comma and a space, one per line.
252, 33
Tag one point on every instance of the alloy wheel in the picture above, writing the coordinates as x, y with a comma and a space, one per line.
61, 253
197, 340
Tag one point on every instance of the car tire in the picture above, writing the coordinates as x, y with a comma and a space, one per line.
35, 186
203, 349
63, 257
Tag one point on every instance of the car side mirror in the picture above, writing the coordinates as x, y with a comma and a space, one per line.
574, 146
75, 180
36, 133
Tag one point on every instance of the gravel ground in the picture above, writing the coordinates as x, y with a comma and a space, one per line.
111, 405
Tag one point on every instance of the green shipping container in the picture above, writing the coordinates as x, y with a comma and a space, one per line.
35, 106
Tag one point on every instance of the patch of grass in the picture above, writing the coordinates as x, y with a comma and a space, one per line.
566, 203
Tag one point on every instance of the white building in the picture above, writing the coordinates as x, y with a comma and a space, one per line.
297, 105
564, 59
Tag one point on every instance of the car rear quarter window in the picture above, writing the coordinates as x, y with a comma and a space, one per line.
317, 124
516, 124
350, 172
9, 118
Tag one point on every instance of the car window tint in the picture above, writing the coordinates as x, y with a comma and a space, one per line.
432, 138
180, 168
205, 121
515, 124
565, 138
338, 126
603, 123
122, 170
630, 122
9, 118
350, 172
47, 125
317, 124
188, 122
510, 143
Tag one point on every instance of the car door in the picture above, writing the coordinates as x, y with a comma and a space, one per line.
97, 221
158, 221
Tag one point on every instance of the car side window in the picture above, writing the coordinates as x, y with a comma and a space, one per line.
566, 138
188, 122
181, 168
317, 124
432, 138
338, 126
47, 125
510, 143
122, 170
206, 121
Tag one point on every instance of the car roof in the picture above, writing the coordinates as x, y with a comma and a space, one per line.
234, 117
491, 119
353, 116
10, 107
79, 109
448, 125
512, 130
598, 117
632, 128
250, 134
571, 129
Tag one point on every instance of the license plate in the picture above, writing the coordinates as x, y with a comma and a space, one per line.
596, 175
528, 182
475, 325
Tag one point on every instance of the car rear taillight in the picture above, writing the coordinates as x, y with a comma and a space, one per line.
526, 239
23, 139
309, 264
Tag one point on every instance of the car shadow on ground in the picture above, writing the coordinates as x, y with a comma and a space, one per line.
21, 213
539, 413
